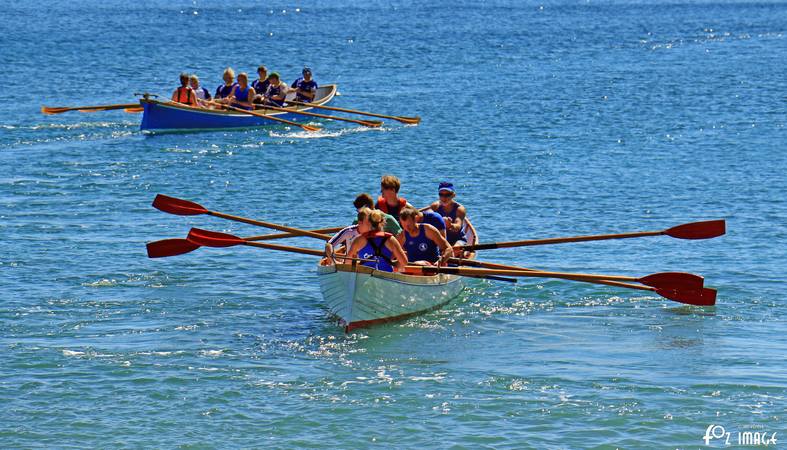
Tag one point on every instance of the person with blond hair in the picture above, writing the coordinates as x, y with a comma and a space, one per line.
200, 92
377, 247
225, 90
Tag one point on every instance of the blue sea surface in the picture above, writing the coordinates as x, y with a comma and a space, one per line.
552, 118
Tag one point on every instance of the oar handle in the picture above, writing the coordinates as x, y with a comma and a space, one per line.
296, 231
530, 242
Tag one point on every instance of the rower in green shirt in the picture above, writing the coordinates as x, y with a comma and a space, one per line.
391, 224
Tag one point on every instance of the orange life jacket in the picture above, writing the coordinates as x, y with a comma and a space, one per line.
188, 93
383, 206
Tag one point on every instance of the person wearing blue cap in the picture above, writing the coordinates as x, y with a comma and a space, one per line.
453, 213
305, 87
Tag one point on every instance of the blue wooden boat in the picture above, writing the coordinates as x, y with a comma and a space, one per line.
169, 117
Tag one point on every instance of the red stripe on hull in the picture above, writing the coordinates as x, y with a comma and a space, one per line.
367, 323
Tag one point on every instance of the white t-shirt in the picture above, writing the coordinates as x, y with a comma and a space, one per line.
345, 236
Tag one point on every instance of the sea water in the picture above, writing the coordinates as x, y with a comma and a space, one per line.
552, 118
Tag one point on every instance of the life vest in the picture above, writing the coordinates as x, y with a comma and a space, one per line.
420, 247
184, 91
376, 250
383, 206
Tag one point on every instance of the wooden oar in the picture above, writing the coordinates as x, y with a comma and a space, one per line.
137, 109
174, 247
198, 238
208, 238
62, 109
181, 207
696, 230
676, 280
700, 297
408, 120
681, 291
267, 116
366, 123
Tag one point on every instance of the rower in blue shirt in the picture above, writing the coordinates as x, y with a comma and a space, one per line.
261, 84
277, 91
422, 242
225, 90
305, 87
453, 213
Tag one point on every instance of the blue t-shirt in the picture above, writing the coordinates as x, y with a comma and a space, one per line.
434, 219
261, 86
304, 85
420, 247
224, 91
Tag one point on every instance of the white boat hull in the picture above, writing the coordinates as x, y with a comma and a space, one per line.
360, 296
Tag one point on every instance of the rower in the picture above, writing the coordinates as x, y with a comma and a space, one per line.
432, 218
341, 241
375, 244
260, 85
391, 224
200, 92
184, 94
390, 202
225, 90
424, 244
242, 93
277, 91
305, 87
453, 213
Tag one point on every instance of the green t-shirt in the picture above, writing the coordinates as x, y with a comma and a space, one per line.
391, 225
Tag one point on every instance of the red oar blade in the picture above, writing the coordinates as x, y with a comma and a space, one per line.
177, 206
673, 280
170, 247
698, 230
213, 238
699, 297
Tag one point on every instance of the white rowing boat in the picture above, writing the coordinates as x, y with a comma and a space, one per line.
360, 296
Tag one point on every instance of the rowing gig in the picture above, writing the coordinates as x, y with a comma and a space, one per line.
360, 296
170, 117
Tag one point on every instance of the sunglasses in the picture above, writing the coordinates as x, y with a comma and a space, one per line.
445, 194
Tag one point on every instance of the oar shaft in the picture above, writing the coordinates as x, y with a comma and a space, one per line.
520, 273
260, 223
286, 248
324, 116
62, 109
268, 237
354, 111
526, 243
267, 116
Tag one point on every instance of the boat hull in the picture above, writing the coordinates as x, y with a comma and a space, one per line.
360, 296
169, 117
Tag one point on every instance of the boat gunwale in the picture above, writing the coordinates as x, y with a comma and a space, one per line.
332, 90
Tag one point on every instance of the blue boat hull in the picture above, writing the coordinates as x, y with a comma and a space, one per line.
168, 117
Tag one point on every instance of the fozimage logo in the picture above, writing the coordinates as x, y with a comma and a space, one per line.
719, 434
